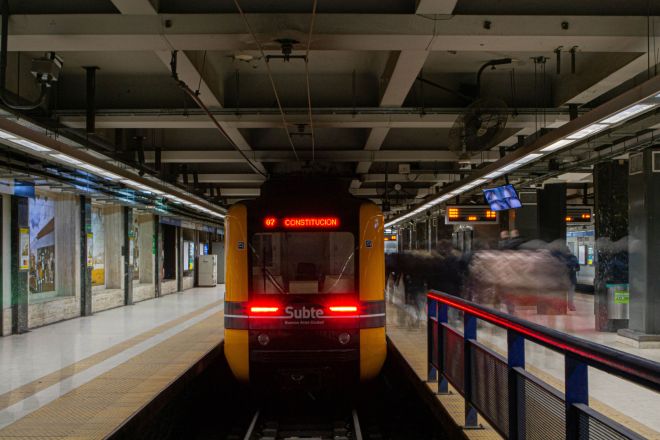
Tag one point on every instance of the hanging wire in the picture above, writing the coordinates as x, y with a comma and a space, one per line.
309, 93
195, 97
201, 73
270, 77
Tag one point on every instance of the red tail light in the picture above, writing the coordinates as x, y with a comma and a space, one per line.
264, 309
343, 309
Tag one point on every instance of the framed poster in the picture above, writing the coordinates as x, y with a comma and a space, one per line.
24, 245
582, 254
90, 251
98, 251
41, 244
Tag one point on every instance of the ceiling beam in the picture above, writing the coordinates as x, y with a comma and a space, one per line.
187, 72
439, 7
400, 73
155, 119
228, 178
230, 156
401, 32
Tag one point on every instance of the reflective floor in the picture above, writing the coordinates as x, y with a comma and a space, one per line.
43, 364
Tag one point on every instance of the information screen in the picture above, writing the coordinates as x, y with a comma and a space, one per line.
578, 215
470, 214
502, 198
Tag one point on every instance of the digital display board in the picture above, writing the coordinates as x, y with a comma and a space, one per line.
578, 215
390, 237
470, 214
302, 222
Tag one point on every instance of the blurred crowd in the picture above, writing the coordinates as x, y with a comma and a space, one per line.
516, 272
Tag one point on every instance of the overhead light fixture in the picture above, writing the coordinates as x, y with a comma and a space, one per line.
530, 157
7, 135
100, 172
493, 175
587, 131
628, 113
556, 145
67, 159
31, 145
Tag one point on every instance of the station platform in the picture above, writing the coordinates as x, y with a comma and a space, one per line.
84, 378
626, 403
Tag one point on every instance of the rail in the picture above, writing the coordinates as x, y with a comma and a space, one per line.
516, 403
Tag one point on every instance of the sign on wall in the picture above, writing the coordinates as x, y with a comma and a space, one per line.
42, 244
24, 245
98, 252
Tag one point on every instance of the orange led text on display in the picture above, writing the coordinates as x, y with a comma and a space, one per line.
302, 222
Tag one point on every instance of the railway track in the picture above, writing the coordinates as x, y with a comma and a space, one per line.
280, 424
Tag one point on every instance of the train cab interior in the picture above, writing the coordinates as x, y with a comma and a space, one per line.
303, 262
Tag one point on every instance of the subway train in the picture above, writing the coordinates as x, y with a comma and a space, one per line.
305, 271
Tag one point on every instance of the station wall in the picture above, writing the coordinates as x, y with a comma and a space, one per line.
53, 272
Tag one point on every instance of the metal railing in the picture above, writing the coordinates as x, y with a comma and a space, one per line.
514, 402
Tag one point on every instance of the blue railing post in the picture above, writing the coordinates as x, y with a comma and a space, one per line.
576, 379
443, 317
432, 311
469, 333
515, 359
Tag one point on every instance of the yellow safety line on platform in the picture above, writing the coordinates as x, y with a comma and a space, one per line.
95, 409
411, 343
24, 391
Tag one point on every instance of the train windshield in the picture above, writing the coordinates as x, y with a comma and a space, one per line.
303, 262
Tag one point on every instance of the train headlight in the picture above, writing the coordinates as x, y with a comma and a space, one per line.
263, 339
344, 338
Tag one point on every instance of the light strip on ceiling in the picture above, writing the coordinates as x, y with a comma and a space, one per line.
13, 138
31, 145
556, 145
625, 112
628, 113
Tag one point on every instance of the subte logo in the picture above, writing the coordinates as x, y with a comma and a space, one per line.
303, 313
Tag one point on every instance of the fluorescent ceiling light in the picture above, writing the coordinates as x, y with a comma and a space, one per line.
493, 175
628, 113
67, 159
31, 145
7, 135
557, 145
587, 131
511, 166
100, 172
530, 157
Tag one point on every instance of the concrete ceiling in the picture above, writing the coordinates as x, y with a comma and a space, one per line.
370, 112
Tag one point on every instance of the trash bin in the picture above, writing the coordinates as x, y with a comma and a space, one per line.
618, 299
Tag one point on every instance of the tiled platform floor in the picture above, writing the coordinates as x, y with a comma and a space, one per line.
631, 405
122, 358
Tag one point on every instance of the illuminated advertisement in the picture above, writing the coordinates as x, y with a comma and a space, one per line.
98, 248
42, 244
188, 256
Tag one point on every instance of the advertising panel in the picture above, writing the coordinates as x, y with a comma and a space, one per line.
42, 244
98, 248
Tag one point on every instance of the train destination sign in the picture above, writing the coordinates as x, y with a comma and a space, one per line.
302, 222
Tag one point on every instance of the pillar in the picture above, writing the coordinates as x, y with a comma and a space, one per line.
129, 242
86, 240
525, 219
644, 248
19, 264
611, 226
551, 214
179, 259
158, 258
